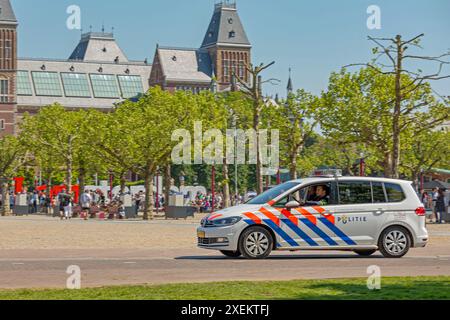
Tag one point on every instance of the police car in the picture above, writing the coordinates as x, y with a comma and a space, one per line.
363, 215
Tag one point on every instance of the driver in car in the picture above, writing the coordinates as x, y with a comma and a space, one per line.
322, 197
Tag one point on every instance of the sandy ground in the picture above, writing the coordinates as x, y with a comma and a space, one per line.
37, 232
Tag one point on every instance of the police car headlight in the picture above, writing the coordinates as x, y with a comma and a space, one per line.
226, 222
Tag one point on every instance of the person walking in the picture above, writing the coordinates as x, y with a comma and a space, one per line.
440, 207
65, 205
434, 196
138, 200
85, 201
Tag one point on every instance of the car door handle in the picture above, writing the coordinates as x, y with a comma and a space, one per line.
379, 212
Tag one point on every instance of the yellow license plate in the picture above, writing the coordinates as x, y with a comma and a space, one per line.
201, 234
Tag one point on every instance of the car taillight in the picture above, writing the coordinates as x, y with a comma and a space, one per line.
421, 211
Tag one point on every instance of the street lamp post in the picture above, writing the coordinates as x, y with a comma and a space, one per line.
236, 191
111, 181
213, 187
157, 192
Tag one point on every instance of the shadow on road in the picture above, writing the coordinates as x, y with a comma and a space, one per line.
284, 257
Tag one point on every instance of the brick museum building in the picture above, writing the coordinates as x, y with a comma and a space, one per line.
98, 74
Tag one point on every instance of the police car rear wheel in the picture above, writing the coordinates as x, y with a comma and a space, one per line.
395, 242
256, 243
231, 254
365, 253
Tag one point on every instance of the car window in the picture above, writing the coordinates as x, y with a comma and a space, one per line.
394, 192
311, 195
298, 195
271, 194
357, 192
378, 193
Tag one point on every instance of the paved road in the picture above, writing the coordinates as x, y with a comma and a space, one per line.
39, 269
35, 252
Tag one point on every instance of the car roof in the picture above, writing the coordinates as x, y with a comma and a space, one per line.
328, 179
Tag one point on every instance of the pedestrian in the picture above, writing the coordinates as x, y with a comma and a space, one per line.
434, 196
12, 200
425, 199
137, 201
440, 207
30, 202
65, 205
85, 200
121, 211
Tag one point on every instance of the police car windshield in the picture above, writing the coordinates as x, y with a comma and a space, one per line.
271, 194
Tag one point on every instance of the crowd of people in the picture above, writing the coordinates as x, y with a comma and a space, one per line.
438, 202
204, 202
95, 203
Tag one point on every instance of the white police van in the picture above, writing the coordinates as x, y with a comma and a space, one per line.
357, 214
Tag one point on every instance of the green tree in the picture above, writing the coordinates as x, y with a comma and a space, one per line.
358, 109
423, 151
12, 156
137, 135
408, 86
296, 119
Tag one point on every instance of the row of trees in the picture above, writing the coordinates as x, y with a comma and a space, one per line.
357, 116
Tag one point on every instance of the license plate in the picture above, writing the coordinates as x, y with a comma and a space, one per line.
201, 234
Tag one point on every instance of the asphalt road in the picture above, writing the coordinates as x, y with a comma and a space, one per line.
47, 268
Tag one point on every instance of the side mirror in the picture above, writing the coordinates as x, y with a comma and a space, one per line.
292, 205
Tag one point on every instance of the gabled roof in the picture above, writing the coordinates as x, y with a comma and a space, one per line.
7, 12
185, 65
226, 27
98, 46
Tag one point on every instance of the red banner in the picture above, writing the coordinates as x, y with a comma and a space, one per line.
18, 184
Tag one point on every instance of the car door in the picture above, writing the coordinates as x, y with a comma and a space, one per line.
356, 214
309, 225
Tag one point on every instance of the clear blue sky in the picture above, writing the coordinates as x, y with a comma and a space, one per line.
313, 37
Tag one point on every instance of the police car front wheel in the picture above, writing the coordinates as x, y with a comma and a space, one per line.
256, 243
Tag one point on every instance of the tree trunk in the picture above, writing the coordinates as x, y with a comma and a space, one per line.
226, 184
123, 183
387, 165
48, 191
397, 112
69, 176
69, 165
167, 185
148, 205
293, 165
5, 210
82, 181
